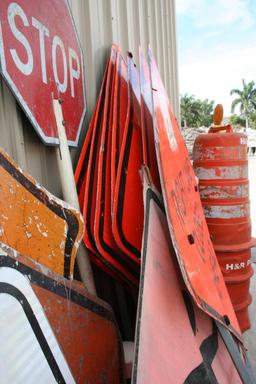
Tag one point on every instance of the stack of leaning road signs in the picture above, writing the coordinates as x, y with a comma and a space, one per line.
52, 329
140, 202
108, 179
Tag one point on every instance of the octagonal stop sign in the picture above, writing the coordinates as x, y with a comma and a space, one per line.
41, 59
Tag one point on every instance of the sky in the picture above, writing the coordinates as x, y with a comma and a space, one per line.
216, 47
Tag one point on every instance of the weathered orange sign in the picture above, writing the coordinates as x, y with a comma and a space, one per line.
185, 215
36, 223
128, 202
63, 334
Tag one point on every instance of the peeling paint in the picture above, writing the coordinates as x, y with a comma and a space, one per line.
222, 172
226, 211
204, 153
34, 222
224, 191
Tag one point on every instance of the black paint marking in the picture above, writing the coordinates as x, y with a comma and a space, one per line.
204, 372
190, 310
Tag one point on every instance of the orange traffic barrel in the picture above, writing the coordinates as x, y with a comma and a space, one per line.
221, 165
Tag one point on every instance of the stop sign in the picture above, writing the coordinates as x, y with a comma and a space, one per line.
41, 59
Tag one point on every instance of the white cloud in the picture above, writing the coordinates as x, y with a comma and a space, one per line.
212, 74
216, 13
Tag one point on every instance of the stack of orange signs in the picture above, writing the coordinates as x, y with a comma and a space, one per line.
107, 175
133, 124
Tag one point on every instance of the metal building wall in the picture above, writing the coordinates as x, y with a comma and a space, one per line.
129, 23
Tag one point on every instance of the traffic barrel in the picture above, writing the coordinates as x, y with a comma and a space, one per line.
221, 165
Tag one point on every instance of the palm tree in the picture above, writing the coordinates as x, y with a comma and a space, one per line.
189, 110
246, 99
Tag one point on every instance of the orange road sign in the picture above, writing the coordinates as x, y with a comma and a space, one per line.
128, 202
186, 220
91, 169
63, 334
36, 223
120, 117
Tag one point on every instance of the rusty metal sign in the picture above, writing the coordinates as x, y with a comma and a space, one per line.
175, 341
52, 330
186, 220
36, 223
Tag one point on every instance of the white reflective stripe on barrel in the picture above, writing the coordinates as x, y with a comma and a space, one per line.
224, 191
202, 153
222, 172
226, 211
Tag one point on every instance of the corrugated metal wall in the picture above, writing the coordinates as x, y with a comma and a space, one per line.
129, 23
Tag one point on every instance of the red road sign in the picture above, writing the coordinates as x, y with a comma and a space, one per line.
41, 58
